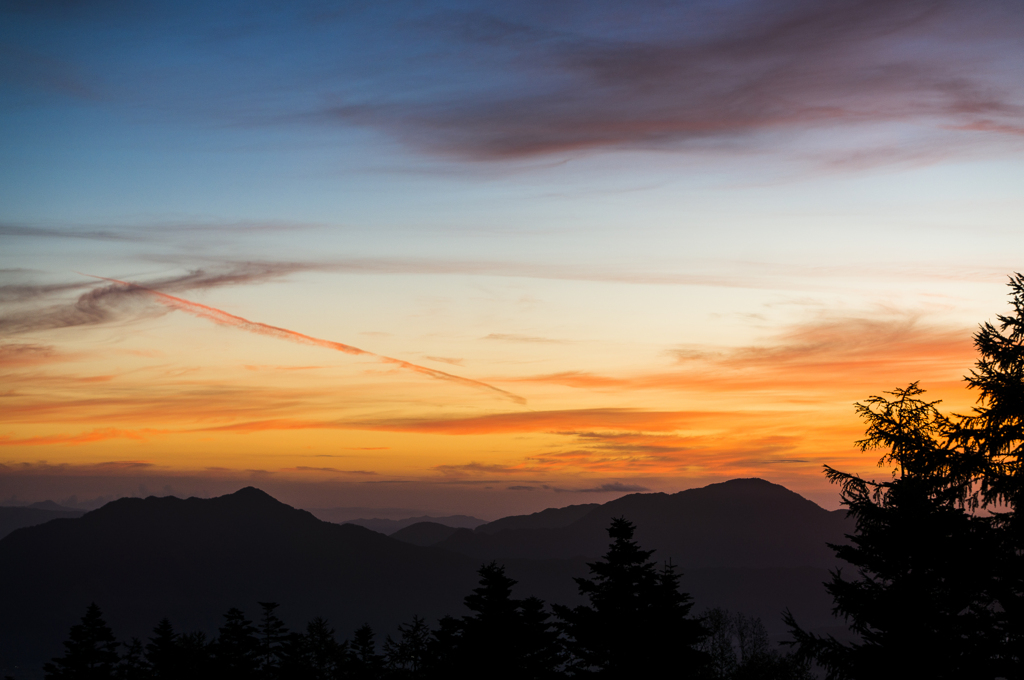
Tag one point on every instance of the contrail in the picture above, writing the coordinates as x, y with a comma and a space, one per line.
221, 317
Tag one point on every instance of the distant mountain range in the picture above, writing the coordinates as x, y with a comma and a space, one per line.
390, 526
12, 518
747, 544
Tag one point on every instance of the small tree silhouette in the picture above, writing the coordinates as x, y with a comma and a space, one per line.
162, 651
364, 662
132, 665
272, 636
409, 655
315, 654
236, 650
90, 652
637, 623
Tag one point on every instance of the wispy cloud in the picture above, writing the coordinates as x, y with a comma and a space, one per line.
223, 318
615, 487
711, 77
91, 437
304, 468
513, 337
512, 81
117, 302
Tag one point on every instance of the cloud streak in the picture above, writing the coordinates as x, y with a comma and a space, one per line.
223, 318
747, 70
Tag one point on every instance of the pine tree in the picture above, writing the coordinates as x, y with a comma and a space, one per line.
637, 623
132, 665
195, 660
272, 636
408, 656
236, 650
994, 434
162, 651
919, 602
364, 662
90, 652
506, 637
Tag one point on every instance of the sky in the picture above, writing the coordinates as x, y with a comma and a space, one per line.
488, 258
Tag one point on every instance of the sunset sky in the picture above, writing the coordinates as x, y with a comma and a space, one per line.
489, 258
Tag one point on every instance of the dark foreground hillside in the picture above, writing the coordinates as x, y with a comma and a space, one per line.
740, 523
193, 559
748, 545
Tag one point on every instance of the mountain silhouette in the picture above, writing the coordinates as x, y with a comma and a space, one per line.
390, 526
424, 533
192, 559
746, 544
749, 523
552, 518
12, 518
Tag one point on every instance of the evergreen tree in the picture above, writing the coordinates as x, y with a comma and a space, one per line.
541, 652
315, 654
236, 650
90, 652
444, 648
195, 661
408, 657
132, 665
163, 653
505, 637
994, 434
637, 623
919, 603
364, 662
272, 636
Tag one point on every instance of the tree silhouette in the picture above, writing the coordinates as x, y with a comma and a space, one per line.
132, 665
637, 623
90, 652
162, 651
236, 649
919, 604
272, 636
739, 649
364, 662
314, 655
994, 434
504, 637
408, 657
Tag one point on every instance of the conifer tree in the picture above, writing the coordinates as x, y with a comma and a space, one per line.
919, 601
506, 637
315, 654
162, 652
637, 623
236, 650
364, 662
132, 665
195, 661
272, 636
90, 652
407, 657
994, 434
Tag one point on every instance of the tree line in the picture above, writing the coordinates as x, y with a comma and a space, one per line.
636, 623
